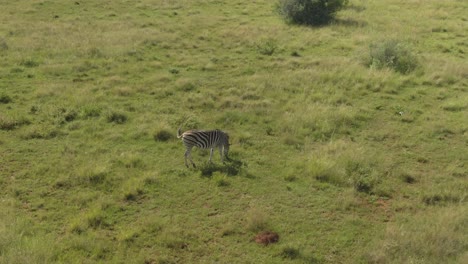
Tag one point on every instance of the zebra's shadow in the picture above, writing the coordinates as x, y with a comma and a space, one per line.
231, 167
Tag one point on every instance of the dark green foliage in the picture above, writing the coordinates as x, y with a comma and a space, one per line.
392, 54
310, 12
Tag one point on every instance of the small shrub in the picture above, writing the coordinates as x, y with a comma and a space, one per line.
163, 135
268, 47
310, 12
392, 54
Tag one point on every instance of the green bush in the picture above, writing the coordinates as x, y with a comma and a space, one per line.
392, 54
310, 12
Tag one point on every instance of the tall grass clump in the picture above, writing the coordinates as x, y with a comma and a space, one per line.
391, 54
116, 117
309, 12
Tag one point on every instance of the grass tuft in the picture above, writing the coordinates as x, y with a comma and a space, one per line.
116, 117
256, 220
163, 135
9, 123
391, 54
5, 99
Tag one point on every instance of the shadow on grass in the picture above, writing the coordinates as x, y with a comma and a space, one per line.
231, 167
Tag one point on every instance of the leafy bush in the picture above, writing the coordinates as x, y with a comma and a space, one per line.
310, 12
392, 54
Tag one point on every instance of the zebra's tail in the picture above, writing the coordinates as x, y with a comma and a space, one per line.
179, 135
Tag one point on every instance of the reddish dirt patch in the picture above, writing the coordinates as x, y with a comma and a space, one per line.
266, 237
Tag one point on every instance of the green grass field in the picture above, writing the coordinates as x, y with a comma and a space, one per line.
348, 163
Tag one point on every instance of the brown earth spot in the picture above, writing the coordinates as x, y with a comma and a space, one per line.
266, 237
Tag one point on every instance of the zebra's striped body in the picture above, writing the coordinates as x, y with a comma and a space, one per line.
209, 139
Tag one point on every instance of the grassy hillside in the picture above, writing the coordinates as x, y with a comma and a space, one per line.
347, 161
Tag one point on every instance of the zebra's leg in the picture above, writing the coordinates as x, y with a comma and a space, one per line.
188, 154
221, 153
211, 154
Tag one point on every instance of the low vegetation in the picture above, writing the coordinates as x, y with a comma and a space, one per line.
348, 139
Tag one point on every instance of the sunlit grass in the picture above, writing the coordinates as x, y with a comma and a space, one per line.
336, 157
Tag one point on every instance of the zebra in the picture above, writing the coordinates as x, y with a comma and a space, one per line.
205, 139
